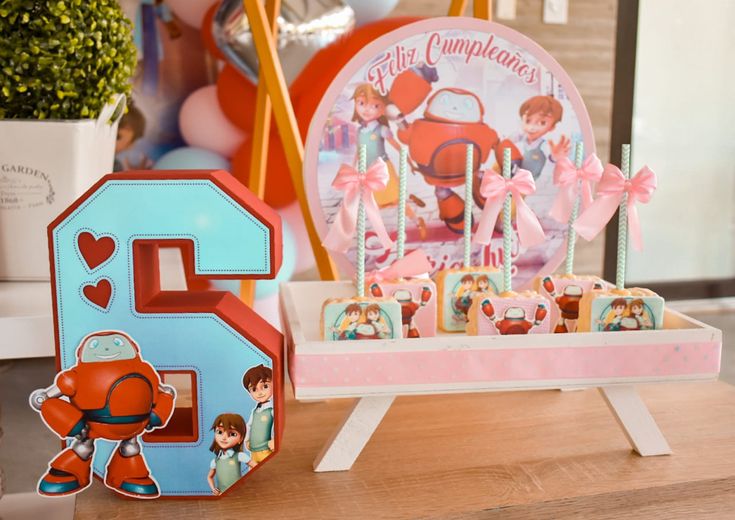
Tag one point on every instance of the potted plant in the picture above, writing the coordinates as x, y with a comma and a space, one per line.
65, 69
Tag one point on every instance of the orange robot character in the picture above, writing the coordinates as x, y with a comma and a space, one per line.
437, 144
568, 303
112, 394
514, 320
409, 308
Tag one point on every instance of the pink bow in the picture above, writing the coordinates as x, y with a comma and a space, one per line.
342, 233
494, 188
568, 177
609, 195
413, 264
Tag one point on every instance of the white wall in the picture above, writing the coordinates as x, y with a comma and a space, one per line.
684, 129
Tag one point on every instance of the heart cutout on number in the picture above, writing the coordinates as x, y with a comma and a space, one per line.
99, 294
95, 251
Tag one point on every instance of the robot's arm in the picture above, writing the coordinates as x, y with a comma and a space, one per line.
488, 309
540, 314
60, 415
549, 286
425, 295
163, 408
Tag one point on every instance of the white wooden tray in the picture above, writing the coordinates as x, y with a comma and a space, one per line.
378, 370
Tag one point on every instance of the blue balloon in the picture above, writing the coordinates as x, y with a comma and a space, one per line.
191, 158
265, 288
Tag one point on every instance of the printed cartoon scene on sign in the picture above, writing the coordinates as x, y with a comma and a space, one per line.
435, 93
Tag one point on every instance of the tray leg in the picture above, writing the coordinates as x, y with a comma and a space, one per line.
635, 420
344, 446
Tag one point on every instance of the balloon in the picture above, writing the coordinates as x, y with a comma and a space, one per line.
203, 124
267, 308
265, 288
309, 87
191, 158
291, 214
236, 95
367, 11
279, 191
304, 27
206, 33
191, 12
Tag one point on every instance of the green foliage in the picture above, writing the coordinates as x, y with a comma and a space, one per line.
63, 59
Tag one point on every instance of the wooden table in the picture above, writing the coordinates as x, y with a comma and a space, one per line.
541, 454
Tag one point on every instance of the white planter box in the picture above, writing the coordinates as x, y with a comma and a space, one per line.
44, 167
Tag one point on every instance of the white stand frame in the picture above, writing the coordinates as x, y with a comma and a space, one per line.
311, 360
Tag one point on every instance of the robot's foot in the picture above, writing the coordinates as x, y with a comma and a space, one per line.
413, 333
130, 476
560, 328
451, 211
67, 474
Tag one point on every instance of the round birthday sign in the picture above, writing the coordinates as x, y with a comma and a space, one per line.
435, 87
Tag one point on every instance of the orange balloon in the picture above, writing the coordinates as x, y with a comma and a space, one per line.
279, 190
236, 95
206, 33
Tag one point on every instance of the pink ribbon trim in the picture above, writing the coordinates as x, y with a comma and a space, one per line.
413, 264
569, 178
494, 188
341, 235
610, 192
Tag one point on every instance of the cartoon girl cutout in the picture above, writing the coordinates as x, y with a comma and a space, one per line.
374, 318
373, 132
483, 284
229, 435
348, 327
636, 309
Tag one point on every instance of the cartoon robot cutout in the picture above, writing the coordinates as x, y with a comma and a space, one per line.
112, 394
514, 319
437, 142
567, 292
409, 307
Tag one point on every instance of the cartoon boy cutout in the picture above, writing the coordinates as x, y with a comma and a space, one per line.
530, 150
348, 328
229, 433
539, 116
614, 320
259, 439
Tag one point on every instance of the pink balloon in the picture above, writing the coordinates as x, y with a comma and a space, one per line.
267, 308
191, 12
204, 125
305, 257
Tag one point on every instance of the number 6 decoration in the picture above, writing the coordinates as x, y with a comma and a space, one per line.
224, 360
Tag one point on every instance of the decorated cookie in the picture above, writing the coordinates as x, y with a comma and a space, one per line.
360, 318
620, 309
508, 313
564, 293
456, 290
417, 298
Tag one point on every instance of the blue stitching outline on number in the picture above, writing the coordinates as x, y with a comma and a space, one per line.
183, 316
92, 304
97, 236
110, 183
